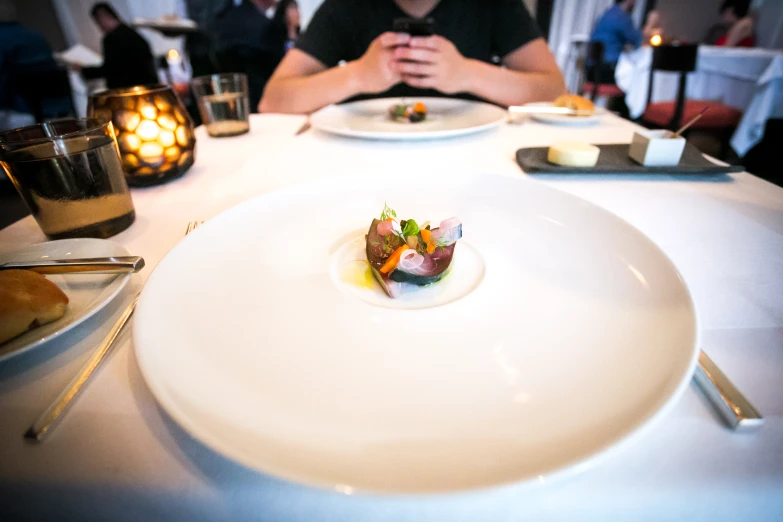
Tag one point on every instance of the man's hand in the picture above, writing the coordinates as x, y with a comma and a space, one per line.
433, 62
376, 70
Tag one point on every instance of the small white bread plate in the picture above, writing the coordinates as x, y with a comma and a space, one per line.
87, 293
565, 119
446, 118
562, 332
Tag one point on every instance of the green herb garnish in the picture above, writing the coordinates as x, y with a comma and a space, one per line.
387, 213
411, 228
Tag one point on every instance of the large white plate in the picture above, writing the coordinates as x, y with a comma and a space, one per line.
86, 293
446, 117
564, 119
561, 332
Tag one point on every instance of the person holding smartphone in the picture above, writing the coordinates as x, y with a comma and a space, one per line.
351, 51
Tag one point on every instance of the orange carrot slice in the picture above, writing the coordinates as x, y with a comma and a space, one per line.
391, 263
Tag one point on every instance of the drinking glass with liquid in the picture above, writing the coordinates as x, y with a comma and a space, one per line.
223, 103
69, 174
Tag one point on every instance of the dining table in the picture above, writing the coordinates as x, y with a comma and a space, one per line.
750, 80
116, 455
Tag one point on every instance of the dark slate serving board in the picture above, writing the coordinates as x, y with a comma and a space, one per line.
614, 159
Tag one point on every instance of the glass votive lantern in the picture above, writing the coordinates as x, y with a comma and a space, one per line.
153, 129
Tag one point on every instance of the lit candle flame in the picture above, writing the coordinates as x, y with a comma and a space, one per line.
656, 40
173, 54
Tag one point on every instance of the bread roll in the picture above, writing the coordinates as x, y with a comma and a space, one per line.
575, 103
27, 300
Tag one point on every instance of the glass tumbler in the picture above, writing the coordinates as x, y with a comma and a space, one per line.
223, 103
69, 173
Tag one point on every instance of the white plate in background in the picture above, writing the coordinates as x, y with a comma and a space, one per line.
565, 119
446, 118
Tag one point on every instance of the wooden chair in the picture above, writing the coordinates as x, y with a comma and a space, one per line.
600, 86
671, 114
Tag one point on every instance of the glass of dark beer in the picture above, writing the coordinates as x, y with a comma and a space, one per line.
69, 174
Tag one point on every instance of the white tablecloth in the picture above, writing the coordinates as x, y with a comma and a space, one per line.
748, 79
117, 456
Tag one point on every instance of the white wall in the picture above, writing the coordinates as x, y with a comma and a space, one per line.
769, 27
688, 20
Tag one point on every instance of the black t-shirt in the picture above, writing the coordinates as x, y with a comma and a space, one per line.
480, 29
127, 60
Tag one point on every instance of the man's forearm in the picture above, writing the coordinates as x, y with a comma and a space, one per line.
306, 94
508, 87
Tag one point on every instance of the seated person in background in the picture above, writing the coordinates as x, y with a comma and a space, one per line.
199, 45
616, 31
379, 63
739, 26
287, 22
245, 42
127, 58
22, 50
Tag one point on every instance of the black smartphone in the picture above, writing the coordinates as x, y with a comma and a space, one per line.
415, 26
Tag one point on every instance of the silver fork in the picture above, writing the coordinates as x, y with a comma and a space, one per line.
192, 226
47, 420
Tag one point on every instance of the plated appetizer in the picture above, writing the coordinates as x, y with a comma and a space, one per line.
404, 255
408, 113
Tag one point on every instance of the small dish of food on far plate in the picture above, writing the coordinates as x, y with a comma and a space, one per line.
404, 255
584, 106
585, 112
408, 112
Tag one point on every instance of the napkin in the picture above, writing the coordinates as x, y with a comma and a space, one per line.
80, 55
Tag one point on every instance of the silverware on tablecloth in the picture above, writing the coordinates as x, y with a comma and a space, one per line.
92, 265
304, 128
47, 420
733, 407
545, 109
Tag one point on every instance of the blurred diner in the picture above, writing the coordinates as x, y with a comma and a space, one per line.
617, 32
127, 57
348, 52
23, 52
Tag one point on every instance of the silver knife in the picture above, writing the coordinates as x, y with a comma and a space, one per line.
93, 265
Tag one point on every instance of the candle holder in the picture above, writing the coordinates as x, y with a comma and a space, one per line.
153, 130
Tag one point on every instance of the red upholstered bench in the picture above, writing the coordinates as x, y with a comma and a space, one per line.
719, 116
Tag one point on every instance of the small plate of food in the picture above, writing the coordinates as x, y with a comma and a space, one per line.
408, 118
408, 112
588, 113
35, 309
416, 334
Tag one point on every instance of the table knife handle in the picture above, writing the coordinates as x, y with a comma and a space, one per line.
96, 265
739, 414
